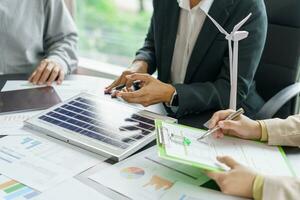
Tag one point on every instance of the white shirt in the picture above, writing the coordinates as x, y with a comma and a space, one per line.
190, 25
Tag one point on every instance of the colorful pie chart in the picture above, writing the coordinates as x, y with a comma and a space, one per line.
132, 173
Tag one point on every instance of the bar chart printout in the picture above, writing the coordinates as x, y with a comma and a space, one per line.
13, 190
42, 163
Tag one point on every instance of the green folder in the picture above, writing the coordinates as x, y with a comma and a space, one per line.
163, 154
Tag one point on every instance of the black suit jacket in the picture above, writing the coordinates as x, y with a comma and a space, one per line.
207, 81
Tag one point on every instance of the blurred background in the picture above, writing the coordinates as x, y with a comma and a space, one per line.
111, 31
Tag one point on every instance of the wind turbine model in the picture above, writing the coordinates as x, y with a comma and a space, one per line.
235, 36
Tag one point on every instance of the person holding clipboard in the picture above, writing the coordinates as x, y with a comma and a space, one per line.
241, 181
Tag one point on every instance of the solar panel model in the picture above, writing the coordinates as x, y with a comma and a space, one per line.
109, 128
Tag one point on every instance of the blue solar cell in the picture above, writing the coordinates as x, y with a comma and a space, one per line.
65, 112
143, 119
138, 137
80, 105
89, 114
76, 122
146, 132
70, 127
103, 139
86, 101
65, 106
58, 116
83, 118
74, 109
42, 117
50, 120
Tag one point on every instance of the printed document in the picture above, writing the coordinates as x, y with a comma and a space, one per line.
269, 160
42, 163
146, 176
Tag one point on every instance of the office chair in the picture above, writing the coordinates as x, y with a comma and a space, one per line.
277, 78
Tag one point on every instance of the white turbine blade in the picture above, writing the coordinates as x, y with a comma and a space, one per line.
221, 29
239, 25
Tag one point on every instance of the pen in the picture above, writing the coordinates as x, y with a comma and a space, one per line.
119, 87
232, 116
135, 84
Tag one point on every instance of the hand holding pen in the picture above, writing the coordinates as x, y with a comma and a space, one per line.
241, 127
216, 128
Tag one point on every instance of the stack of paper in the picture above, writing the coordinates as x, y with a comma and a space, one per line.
42, 163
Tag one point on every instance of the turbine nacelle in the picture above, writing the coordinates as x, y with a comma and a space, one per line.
237, 36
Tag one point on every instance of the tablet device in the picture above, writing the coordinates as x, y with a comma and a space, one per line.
28, 100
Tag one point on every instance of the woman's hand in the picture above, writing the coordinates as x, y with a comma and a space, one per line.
243, 127
47, 72
238, 181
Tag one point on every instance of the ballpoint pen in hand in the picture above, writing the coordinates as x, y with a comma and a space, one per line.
232, 116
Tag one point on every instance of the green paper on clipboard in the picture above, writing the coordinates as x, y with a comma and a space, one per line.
179, 143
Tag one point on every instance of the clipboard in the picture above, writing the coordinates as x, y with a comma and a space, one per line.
162, 144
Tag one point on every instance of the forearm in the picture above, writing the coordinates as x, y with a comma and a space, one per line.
60, 40
198, 97
282, 132
269, 188
63, 52
147, 52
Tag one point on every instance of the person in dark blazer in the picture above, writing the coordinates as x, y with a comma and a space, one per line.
190, 56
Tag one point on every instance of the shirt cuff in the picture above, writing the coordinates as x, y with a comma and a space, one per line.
169, 105
264, 131
258, 187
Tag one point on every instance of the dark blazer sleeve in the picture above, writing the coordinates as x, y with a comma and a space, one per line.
147, 52
201, 96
